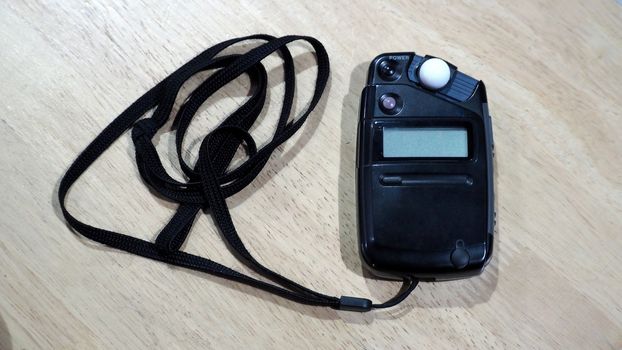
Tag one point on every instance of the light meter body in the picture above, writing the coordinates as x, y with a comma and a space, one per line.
424, 170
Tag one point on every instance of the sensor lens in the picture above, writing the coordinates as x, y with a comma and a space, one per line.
389, 103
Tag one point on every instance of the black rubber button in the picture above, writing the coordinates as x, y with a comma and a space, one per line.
460, 258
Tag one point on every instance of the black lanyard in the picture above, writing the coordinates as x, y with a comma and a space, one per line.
208, 181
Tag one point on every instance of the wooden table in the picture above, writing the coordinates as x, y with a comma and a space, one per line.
554, 75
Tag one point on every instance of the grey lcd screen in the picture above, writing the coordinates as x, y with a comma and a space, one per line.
424, 142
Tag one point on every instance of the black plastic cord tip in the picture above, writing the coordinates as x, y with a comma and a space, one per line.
354, 304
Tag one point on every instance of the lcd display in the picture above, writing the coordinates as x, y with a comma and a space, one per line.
425, 142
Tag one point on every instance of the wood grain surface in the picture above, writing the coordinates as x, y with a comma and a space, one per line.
553, 71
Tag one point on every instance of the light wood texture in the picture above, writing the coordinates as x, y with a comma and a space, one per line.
67, 68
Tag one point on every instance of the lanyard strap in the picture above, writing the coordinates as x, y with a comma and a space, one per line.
209, 182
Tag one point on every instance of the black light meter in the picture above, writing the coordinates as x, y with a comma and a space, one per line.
424, 170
